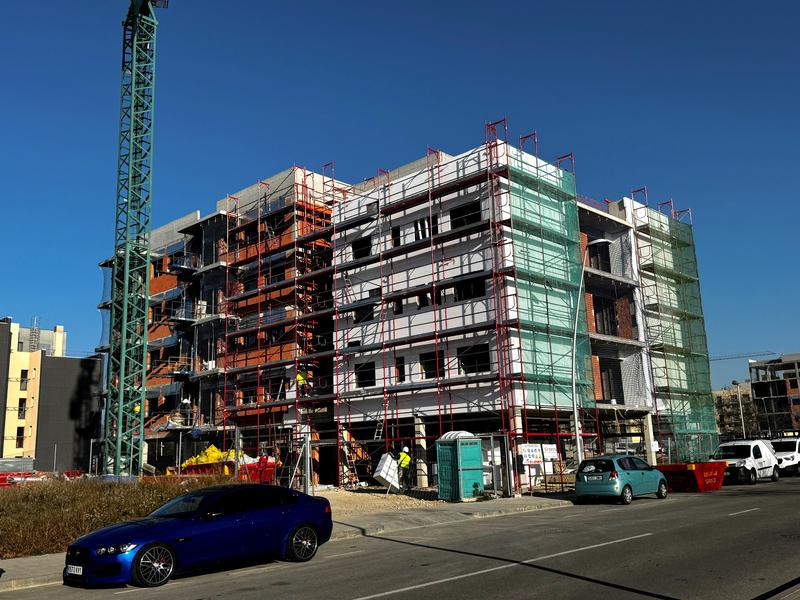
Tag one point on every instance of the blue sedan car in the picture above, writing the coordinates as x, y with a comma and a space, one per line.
199, 528
622, 477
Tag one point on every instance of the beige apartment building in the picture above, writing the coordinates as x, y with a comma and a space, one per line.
21, 369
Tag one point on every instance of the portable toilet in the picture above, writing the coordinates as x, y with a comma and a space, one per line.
460, 466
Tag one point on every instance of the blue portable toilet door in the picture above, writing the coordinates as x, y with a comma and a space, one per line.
470, 463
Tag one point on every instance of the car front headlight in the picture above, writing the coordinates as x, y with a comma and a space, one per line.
739, 463
121, 549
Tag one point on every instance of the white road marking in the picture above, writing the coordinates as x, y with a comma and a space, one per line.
344, 554
741, 512
501, 567
238, 572
793, 594
129, 591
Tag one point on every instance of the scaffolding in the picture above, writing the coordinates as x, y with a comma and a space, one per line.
277, 351
440, 296
676, 336
455, 286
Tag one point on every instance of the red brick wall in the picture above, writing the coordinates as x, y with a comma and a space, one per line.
598, 386
624, 322
590, 313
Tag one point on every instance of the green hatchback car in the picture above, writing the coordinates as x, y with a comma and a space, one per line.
619, 476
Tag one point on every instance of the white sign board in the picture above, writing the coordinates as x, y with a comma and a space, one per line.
550, 452
531, 454
540, 456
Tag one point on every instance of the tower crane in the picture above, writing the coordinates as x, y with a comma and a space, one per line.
735, 356
130, 287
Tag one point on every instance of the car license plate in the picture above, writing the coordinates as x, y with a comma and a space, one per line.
74, 570
594, 478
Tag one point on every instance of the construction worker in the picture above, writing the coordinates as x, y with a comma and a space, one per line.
303, 382
404, 464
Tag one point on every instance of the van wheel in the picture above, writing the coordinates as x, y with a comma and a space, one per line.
662, 489
751, 477
626, 497
775, 474
797, 470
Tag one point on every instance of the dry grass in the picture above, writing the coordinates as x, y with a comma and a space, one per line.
39, 518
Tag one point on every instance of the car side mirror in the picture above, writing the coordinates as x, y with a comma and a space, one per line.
650, 468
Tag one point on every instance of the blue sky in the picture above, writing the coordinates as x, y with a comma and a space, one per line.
697, 101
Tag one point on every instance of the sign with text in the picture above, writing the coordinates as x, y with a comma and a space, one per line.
540, 456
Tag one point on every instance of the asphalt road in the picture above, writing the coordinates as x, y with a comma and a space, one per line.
743, 542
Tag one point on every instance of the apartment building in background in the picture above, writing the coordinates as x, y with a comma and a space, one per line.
50, 401
775, 394
442, 295
734, 404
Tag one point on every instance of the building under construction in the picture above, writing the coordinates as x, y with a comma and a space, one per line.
472, 292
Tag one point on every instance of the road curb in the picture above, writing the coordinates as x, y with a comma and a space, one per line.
29, 582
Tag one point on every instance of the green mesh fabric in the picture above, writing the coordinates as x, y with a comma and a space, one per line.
546, 245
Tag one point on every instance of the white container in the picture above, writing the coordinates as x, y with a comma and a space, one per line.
386, 473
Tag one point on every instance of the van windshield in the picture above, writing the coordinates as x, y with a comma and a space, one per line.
789, 446
738, 451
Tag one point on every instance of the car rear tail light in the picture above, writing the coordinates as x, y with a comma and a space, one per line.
327, 509
614, 475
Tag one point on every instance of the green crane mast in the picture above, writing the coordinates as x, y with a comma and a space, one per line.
130, 288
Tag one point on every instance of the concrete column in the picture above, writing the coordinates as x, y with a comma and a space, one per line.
648, 438
421, 451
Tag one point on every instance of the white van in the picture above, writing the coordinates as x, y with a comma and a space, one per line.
788, 452
748, 461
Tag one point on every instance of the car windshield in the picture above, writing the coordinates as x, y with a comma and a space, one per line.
738, 451
182, 506
788, 446
596, 466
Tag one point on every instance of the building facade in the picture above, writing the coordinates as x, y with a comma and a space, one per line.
736, 416
49, 400
446, 294
775, 394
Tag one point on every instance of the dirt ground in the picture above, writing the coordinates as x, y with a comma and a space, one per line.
344, 502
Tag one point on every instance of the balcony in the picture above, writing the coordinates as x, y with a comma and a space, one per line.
187, 263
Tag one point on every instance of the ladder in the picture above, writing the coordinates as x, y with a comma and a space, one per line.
378, 429
350, 475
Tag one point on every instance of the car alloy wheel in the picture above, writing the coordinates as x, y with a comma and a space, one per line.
154, 566
662, 490
303, 543
627, 495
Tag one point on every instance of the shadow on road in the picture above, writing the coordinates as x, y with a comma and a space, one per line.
510, 561
232, 565
777, 590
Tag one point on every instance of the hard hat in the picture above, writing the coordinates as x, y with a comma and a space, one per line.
405, 448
